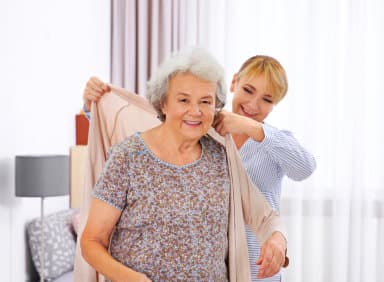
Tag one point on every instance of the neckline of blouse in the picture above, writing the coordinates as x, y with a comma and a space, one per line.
195, 162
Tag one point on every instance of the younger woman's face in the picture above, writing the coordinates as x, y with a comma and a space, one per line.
251, 98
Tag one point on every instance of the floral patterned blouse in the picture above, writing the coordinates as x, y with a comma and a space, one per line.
174, 219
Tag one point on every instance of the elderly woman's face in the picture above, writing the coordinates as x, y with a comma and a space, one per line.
190, 105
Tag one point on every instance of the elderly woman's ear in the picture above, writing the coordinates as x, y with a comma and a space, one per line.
160, 111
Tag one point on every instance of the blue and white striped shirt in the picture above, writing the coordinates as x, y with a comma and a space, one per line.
267, 162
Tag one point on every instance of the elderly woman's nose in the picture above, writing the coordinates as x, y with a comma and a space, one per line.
194, 108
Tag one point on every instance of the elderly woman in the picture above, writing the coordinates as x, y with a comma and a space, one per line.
165, 192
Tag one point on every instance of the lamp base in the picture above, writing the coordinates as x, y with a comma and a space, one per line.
42, 240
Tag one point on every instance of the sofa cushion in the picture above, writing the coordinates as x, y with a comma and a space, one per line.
76, 222
59, 243
66, 277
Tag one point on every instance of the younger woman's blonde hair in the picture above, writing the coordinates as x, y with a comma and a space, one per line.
277, 83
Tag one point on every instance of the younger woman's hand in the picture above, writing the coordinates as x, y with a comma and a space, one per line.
228, 122
272, 255
94, 89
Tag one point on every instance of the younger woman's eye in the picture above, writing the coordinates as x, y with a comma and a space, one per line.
246, 89
268, 100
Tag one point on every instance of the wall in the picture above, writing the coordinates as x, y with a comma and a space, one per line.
48, 50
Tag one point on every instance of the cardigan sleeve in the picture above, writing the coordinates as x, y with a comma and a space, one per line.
257, 212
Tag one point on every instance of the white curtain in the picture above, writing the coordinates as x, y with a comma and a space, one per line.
333, 54
145, 32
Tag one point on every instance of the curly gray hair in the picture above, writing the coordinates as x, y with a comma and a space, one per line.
197, 62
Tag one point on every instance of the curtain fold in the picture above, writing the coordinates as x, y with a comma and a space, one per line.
144, 33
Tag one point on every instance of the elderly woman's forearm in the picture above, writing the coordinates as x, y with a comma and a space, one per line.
96, 254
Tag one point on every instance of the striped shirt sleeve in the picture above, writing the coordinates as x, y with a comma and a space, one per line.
295, 161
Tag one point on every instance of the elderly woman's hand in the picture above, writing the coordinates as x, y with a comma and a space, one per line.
272, 255
94, 89
140, 277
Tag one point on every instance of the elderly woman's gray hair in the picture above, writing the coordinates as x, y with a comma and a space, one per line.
197, 62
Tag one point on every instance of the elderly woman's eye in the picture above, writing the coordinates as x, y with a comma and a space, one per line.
183, 100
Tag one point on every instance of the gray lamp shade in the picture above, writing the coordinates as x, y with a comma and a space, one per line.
42, 176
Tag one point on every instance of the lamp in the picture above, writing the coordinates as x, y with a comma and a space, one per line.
42, 176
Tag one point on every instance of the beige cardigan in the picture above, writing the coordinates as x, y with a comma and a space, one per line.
119, 114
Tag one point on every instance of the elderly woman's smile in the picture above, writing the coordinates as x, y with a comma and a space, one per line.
189, 108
